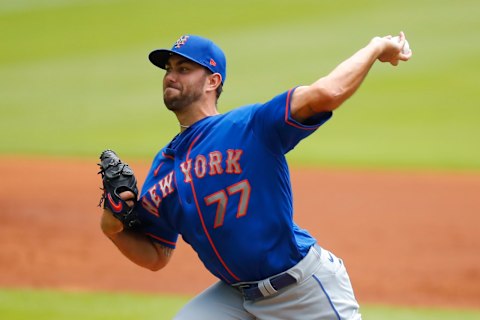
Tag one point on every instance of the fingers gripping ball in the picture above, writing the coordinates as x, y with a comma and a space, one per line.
406, 46
118, 177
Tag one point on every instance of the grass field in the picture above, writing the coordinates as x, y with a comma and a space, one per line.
54, 305
69, 66
75, 80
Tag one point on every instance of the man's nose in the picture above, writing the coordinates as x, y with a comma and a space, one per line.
170, 76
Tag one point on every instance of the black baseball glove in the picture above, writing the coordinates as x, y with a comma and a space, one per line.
118, 177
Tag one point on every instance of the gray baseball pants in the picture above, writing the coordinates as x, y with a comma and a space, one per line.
323, 291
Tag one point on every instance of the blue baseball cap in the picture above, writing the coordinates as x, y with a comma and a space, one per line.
197, 49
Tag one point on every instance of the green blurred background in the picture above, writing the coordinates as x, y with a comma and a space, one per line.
75, 77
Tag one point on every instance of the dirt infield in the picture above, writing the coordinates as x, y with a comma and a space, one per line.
406, 238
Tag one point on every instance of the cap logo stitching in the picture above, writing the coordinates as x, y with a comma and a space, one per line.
180, 42
213, 63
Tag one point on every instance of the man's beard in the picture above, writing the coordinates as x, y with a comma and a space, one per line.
181, 100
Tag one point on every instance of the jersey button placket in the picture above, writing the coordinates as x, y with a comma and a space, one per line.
184, 189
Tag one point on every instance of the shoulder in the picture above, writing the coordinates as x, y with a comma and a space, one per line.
239, 115
280, 101
242, 110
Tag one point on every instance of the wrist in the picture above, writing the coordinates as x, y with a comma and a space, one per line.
377, 46
109, 224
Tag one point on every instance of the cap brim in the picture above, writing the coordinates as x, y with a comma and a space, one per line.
160, 57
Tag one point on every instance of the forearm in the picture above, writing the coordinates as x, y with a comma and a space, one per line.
137, 247
329, 92
346, 78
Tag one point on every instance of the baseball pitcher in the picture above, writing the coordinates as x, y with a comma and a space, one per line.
223, 184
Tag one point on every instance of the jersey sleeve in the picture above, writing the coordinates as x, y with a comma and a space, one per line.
161, 233
273, 123
154, 224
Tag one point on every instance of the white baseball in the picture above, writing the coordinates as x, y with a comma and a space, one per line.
406, 46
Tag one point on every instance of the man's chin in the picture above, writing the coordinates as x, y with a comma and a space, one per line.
176, 100
172, 103
170, 97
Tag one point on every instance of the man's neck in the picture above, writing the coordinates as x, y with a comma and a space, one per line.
194, 114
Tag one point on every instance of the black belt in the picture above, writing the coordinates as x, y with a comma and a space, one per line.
251, 291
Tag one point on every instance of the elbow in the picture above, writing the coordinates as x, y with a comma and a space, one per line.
328, 98
162, 257
333, 99
155, 268
159, 265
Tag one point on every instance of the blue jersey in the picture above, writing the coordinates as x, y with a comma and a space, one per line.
224, 185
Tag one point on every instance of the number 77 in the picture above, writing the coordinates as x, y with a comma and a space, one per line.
221, 199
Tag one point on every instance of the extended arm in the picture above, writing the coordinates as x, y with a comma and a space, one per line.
329, 92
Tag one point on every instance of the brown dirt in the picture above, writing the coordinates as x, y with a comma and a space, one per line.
407, 238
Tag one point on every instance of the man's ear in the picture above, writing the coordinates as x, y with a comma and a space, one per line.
214, 80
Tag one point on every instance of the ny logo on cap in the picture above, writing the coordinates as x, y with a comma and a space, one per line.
180, 42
